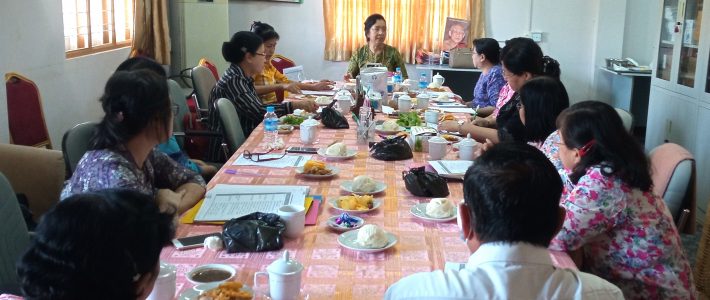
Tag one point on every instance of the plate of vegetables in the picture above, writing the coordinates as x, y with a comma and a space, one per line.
291, 120
409, 119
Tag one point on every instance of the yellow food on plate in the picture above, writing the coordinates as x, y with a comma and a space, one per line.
437, 89
315, 167
226, 291
449, 117
356, 202
450, 138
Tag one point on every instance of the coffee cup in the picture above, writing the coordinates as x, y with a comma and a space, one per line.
164, 286
422, 101
294, 216
404, 103
431, 116
308, 131
467, 148
284, 278
437, 148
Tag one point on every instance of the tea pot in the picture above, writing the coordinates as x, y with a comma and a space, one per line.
438, 80
308, 131
284, 278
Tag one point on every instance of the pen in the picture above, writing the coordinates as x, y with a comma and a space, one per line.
357, 121
475, 112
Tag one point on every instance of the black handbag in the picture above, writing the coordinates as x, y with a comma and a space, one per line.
425, 184
254, 232
395, 148
332, 118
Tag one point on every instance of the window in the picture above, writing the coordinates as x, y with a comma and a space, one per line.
412, 25
92, 26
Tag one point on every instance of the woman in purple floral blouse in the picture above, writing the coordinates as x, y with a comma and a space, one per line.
138, 116
621, 230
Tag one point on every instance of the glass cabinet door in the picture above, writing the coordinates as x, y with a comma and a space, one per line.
690, 41
668, 36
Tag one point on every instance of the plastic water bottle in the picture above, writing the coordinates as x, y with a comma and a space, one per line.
423, 81
271, 121
397, 78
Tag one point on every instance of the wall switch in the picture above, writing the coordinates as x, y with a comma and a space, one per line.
536, 36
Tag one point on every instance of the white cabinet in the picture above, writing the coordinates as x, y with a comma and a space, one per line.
679, 104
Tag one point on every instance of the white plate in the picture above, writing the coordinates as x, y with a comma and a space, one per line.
331, 223
375, 204
419, 211
285, 129
333, 171
350, 153
195, 291
348, 240
379, 129
447, 100
347, 186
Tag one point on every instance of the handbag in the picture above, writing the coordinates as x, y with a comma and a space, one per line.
395, 148
332, 118
461, 58
425, 184
254, 232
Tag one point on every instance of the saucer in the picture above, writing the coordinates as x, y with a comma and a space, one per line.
348, 240
419, 211
350, 153
194, 292
347, 186
379, 129
333, 171
331, 223
375, 204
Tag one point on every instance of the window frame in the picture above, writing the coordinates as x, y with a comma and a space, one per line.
90, 49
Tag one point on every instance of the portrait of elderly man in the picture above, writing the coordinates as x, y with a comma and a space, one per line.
455, 34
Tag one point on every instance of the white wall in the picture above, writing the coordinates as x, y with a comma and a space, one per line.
643, 21
33, 45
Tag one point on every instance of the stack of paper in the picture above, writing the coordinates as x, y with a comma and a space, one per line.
283, 162
451, 168
225, 202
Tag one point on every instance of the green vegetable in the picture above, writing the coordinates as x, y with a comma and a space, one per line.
409, 119
291, 120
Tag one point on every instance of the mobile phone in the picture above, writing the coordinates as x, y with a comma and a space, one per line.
194, 241
302, 150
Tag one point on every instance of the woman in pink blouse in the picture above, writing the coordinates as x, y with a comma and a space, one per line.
621, 230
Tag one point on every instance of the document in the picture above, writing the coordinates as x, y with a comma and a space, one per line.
225, 201
448, 105
319, 93
451, 168
283, 162
466, 110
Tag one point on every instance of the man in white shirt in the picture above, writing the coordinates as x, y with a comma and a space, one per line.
508, 218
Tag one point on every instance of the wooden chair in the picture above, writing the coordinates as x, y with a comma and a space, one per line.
281, 62
24, 112
673, 176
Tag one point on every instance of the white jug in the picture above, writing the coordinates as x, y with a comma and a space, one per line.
438, 80
308, 131
284, 278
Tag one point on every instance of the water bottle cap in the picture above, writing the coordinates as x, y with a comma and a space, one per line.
269, 109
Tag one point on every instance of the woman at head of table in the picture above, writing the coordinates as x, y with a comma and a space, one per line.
522, 60
98, 245
138, 117
246, 54
270, 80
376, 51
486, 57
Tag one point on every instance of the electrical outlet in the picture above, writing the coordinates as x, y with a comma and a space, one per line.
536, 36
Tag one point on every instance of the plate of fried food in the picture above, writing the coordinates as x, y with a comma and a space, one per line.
231, 290
355, 203
317, 170
451, 138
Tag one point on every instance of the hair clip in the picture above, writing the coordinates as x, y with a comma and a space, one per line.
585, 149
136, 277
119, 116
244, 49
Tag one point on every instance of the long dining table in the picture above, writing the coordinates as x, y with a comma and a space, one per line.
331, 271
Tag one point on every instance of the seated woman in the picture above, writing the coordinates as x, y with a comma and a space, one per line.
270, 80
486, 56
376, 51
245, 53
621, 231
522, 60
100, 245
121, 154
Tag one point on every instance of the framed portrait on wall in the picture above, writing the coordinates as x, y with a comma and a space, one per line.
455, 33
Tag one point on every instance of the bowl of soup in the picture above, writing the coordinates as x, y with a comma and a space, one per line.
211, 273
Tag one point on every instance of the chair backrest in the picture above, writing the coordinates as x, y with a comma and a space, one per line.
208, 64
232, 129
24, 112
178, 97
626, 118
75, 143
14, 237
203, 82
281, 62
673, 176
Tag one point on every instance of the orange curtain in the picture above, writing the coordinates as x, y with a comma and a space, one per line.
411, 24
151, 36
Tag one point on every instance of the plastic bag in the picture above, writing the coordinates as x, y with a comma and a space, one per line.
395, 148
254, 232
425, 184
332, 118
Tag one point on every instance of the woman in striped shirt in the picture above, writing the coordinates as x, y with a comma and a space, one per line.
245, 52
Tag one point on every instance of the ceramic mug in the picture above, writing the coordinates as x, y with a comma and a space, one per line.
344, 106
431, 116
294, 216
437, 149
466, 152
308, 134
164, 287
422, 101
404, 103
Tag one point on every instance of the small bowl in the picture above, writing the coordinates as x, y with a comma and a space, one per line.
211, 273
